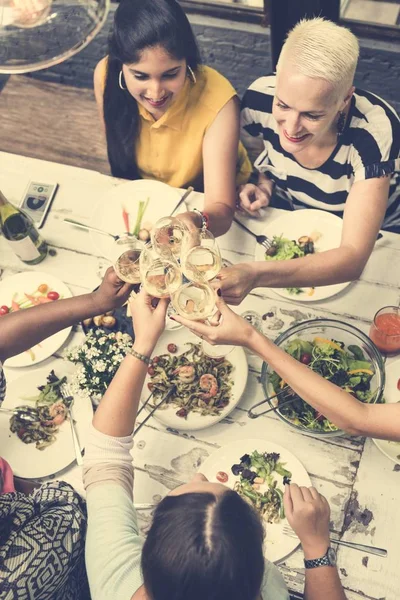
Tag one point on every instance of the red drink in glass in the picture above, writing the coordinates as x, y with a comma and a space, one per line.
385, 330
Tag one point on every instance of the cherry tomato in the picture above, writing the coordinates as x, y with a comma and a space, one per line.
53, 295
306, 358
150, 386
398, 383
222, 476
172, 348
43, 288
155, 360
151, 371
182, 412
4, 310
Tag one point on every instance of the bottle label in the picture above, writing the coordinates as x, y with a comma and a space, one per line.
25, 249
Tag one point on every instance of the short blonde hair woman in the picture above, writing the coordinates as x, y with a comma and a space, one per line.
318, 142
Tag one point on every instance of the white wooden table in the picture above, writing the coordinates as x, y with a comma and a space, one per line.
362, 486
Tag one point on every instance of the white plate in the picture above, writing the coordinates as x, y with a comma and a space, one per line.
107, 214
194, 421
293, 225
28, 282
391, 395
277, 545
25, 459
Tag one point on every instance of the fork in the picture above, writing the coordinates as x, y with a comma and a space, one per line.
66, 394
263, 240
368, 549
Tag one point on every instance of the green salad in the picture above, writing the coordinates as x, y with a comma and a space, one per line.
346, 367
284, 249
258, 484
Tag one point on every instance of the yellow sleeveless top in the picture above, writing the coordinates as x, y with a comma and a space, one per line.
170, 149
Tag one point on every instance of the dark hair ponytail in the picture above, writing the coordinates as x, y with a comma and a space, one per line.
139, 24
204, 546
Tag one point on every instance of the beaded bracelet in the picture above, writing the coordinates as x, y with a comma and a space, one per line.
142, 357
204, 218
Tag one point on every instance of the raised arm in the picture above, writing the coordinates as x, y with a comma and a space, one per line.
340, 407
364, 212
117, 411
23, 329
220, 155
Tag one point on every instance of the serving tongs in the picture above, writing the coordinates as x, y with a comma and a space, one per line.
151, 413
282, 392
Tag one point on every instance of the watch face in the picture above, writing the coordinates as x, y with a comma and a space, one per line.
331, 554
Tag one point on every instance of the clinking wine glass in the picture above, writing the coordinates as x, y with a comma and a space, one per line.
160, 274
200, 256
167, 236
127, 250
195, 300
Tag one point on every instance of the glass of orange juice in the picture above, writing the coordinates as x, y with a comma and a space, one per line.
385, 330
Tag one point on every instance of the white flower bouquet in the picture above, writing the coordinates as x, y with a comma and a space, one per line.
98, 358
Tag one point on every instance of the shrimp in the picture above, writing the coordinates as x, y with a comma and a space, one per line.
58, 412
186, 373
209, 384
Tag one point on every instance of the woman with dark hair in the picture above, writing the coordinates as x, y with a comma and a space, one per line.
205, 542
166, 116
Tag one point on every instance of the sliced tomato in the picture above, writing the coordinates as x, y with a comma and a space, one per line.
222, 476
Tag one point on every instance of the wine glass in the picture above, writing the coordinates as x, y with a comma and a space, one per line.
127, 250
194, 300
160, 275
200, 256
167, 236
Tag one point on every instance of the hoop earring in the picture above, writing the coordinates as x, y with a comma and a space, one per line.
120, 80
341, 122
191, 74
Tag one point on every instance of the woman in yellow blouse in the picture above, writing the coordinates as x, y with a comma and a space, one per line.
167, 117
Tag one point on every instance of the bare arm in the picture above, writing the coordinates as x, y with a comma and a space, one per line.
23, 329
116, 414
220, 155
308, 514
363, 215
340, 407
365, 209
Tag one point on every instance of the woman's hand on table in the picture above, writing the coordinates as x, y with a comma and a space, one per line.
230, 328
253, 197
148, 320
112, 293
308, 514
237, 281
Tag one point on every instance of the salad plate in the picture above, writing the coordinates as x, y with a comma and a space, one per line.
25, 459
121, 208
392, 396
277, 546
195, 420
13, 292
324, 227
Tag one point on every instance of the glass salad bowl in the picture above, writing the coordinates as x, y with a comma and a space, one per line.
336, 350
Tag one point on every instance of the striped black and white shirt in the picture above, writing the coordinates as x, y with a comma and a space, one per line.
2, 384
369, 147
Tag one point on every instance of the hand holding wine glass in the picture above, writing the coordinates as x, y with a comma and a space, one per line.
160, 274
127, 250
200, 256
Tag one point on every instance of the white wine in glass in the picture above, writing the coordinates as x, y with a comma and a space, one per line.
167, 236
127, 251
160, 275
200, 257
194, 300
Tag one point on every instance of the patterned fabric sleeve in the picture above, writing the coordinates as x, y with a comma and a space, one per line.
2, 384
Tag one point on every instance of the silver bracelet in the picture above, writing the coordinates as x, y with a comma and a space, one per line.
142, 357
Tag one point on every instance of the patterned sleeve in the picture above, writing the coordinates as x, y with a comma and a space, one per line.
2, 384
255, 112
376, 142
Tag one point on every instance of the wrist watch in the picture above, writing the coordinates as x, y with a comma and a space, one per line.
328, 560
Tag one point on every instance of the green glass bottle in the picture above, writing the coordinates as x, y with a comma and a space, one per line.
21, 233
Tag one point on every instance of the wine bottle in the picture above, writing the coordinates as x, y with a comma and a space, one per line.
21, 233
